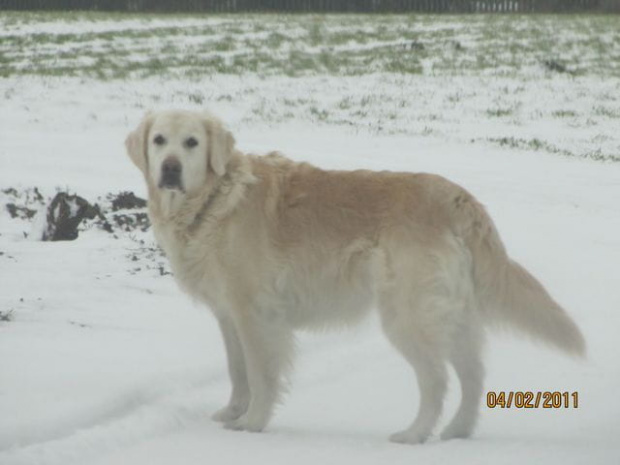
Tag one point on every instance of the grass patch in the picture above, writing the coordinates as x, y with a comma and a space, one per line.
301, 45
499, 112
410, 74
607, 112
564, 114
539, 145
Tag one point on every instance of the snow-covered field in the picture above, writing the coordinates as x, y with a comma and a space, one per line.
104, 361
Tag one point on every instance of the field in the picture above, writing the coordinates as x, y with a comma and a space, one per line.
104, 361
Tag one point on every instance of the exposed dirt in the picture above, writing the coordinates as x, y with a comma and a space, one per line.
66, 215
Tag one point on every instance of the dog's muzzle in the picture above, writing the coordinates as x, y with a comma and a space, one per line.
171, 174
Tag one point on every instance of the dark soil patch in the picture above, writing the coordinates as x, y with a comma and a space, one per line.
65, 214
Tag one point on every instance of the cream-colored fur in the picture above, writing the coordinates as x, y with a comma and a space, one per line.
273, 246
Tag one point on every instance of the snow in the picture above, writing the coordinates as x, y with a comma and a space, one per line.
103, 364
90, 25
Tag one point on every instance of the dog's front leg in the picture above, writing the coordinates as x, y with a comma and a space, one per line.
240, 396
268, 349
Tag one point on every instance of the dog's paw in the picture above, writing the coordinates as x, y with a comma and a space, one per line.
244, 423
228, 413
409, 437
456, 432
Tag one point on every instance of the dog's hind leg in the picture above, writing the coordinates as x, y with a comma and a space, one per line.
466, 358
240, 396
416, 341
268, 350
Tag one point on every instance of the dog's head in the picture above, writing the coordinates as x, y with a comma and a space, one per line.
178, 150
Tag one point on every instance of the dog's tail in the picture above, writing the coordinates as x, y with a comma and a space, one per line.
507, 293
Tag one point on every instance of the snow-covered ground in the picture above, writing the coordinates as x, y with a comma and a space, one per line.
104, 361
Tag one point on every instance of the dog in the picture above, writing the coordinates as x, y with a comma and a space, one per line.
273, 246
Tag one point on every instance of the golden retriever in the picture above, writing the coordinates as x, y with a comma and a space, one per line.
272, 246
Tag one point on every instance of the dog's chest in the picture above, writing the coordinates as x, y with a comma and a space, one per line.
194, 266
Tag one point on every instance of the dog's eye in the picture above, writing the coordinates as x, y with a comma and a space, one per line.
159, 139
191, 143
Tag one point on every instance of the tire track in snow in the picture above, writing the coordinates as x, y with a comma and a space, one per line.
155, 409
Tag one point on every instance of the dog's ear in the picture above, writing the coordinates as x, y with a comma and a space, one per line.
220, 144
136, 142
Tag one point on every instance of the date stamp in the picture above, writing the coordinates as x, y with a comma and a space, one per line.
529, 399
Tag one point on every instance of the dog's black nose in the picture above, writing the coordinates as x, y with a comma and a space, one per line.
171, 167
171, 174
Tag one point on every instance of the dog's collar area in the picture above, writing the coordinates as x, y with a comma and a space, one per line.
206, 205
